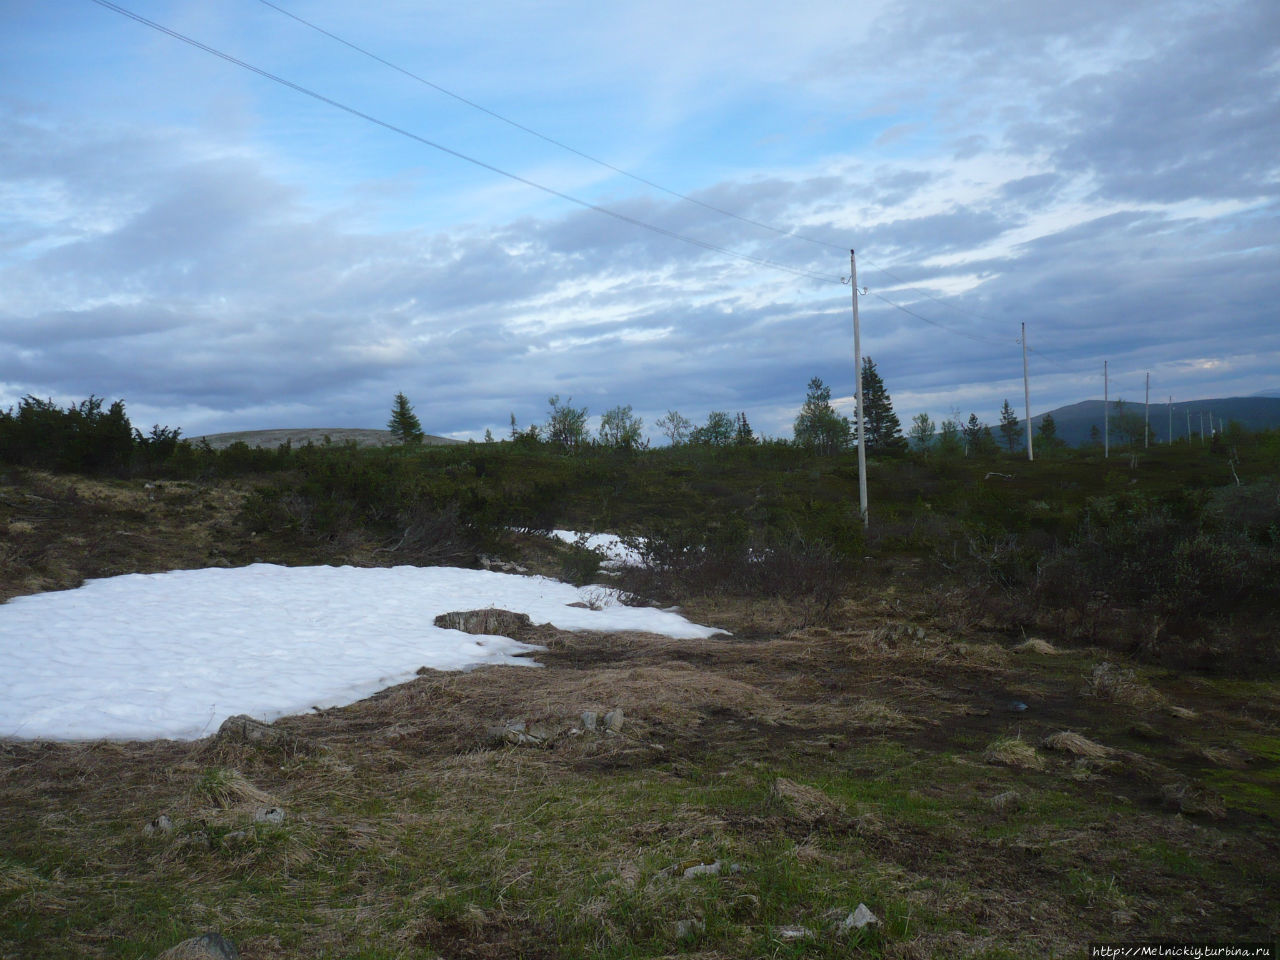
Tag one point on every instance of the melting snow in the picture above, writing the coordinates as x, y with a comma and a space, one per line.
615, 552
174, 654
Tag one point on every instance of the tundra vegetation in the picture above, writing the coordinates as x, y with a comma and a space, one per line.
1032, 705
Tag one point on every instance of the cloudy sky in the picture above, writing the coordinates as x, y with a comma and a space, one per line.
226, 252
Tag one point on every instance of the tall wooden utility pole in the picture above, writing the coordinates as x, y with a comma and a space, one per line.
1106, 413
1146, 414
857, 370
1026, 391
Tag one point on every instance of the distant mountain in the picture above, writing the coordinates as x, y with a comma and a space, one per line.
1075, 422
317, 435
1273, 392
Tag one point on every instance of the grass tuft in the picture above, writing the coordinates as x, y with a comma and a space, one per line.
225, 788
1013, 752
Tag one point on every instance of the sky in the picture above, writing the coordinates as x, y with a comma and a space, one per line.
224, 251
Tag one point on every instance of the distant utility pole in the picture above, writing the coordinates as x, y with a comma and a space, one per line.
857, 370
1188, 426
1202, 428
1106, 413
1170, 440
1026, 390
1146, 413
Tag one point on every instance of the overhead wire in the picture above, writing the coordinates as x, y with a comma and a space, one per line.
585, 204
551, 140
790, 234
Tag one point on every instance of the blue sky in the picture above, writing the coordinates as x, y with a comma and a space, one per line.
225, 253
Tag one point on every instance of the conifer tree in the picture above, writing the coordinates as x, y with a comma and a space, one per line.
819, 427
1008, 425
404, 425
884, 432
922, 430
745, 436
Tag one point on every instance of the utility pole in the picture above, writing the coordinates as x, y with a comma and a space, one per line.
1026, 391
1146, 414
1188, 426
857, 370
1170, 441
1202, 428
1106, 413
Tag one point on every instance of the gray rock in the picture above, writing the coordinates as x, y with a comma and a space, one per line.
273, 815
542, 733
589, 720
243, 728
860, 918
490, 622
207, 946
700, 868
161, 824
613, 721
689, 928
793, 932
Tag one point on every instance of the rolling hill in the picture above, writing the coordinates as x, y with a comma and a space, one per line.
1075, 421
274, 438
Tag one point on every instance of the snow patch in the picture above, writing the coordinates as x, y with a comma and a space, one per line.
172, 655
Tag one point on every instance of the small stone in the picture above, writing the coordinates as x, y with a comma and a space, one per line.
613, 721
794, 932
703, 870
243, 728
161, 824
861, 917
589, 720
274, 815
236, 835
689, 928
1005, 802
207, 946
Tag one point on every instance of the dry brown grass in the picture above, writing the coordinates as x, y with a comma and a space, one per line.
1075, 744
807, 804
1013, 752
225, 788
1109, 682
1036, 645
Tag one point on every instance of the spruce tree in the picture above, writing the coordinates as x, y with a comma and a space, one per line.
1009, 425
404, 425
884, 432
819, 427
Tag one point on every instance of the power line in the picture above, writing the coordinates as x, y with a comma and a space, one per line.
791, 234
585, 204
552, 140
760, 261
935, 323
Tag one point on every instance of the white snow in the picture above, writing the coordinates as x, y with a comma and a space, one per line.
616, 553
172, 655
